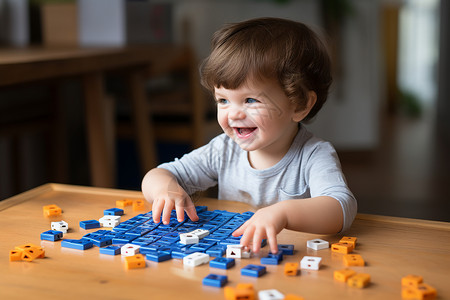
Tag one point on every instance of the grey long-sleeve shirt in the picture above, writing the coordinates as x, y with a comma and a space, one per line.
311, 168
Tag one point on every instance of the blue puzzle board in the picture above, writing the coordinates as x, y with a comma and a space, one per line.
152, 237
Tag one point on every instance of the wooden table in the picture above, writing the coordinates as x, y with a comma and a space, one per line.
34, 64
392, 248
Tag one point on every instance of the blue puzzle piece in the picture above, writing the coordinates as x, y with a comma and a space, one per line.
286, 249
215, 280
101, 241
82, 244
52, 235
272, 259
158, 256
110, 250
113, 212
222, 263
89, 224
216, 251
253, 270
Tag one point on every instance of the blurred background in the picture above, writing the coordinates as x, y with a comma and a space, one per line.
387, 114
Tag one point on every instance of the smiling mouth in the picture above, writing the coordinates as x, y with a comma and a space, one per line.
244, 131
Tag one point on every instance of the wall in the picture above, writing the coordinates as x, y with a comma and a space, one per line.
350, 118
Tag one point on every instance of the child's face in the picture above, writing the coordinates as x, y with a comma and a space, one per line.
257, 116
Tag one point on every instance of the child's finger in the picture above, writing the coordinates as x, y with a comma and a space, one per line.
191, 212
257, 238
167, 211
180, 212
272, 239
157, 207
240, 230
247, 236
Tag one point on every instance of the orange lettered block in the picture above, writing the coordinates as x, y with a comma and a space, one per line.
124, 202
15, 255
51, 210
291, 269
138, 205
360, 280
344, 248
135, 261
422, 291
30, 252
243, 291
349, 240
343, 275
411, 280
353, 260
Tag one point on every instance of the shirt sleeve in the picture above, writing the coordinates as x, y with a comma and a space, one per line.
326, 178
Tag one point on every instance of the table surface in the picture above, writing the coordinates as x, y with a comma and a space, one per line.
392, 248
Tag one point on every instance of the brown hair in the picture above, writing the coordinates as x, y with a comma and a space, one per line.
271, 48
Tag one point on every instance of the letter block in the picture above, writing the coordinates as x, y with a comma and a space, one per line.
310, 263
15, 255
344, 248
135, 261
317, 244
343, 275
353, 260
35, 252
349, 240
291, 269
129, 249
270, 295
124, 202
293, 297
196, 259
243, 291
52, 210
188, 239
411, 280
360, 280
423, 291
138, 205
60, 226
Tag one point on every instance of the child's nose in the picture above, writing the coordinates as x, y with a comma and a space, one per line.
237, 114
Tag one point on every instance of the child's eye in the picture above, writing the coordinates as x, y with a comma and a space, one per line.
222, 101
251, 100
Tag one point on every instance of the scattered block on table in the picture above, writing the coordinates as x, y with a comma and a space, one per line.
243, 291
113, 212
344, 248
82, 244
158, 256
359, 280
189, 239
353, 260
253, 270
201, 233
343, 275
291, 269
124, 202
411, 280
237, 251
52, 210
270, 295
138, 205
51, 235
310, 263
109, 221
215, 280
15, 255
423, 291
36, 249
110, 250
350, 240
222, 263
129, 249
89, 224
272, 259
60, 226
196, 259
286, 249
135, 261
317, 244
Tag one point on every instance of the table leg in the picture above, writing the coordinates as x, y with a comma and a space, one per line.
100, 155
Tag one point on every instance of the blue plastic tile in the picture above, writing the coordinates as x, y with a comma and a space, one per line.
110, 250
253, 270
89, 224
215, 280
113, 212
222, 263
286, 249
82, 244
52, 235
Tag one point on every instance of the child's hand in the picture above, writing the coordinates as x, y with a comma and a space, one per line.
161, 188
265, 223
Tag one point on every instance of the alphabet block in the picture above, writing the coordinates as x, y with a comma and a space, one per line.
317, 244
291, 269
349, 240
353, 260
188, 239
109, 221
423, 291
270, 295
124, 202
344, 248
215, 280
243, 291
52, 210
129, 249
310, 263
60, 226
135, 261
343, 275
138, 205
360, 280
411, 280
196, 259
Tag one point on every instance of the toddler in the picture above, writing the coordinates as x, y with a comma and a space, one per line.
267, 76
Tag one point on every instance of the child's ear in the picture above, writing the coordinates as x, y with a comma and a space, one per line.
301, 112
